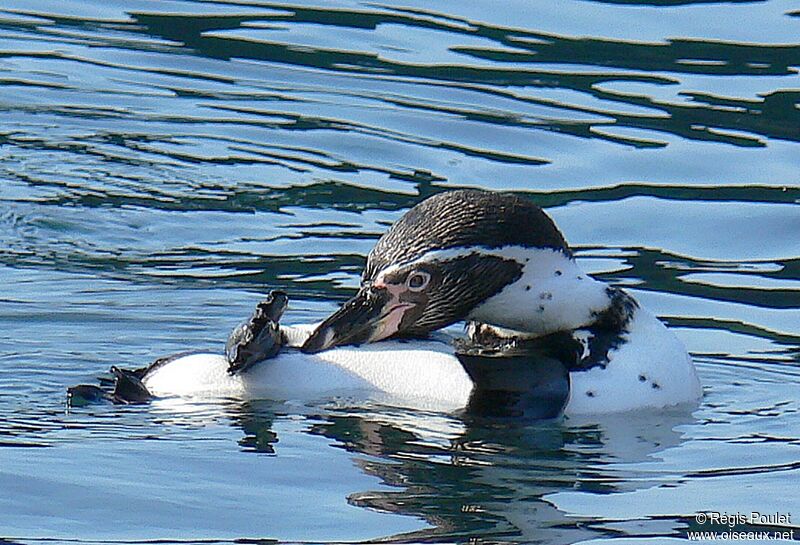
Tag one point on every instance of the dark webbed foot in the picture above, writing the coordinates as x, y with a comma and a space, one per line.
128, 388
123, 387
517, 377
259, 338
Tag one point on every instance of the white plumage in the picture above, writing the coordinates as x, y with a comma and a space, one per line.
427, 375
422, 374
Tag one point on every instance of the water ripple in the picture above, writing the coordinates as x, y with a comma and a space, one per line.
164, 164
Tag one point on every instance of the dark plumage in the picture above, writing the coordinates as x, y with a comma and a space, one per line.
466, 217
465, 283
609, 329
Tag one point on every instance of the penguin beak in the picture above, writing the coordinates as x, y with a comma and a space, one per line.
373, 314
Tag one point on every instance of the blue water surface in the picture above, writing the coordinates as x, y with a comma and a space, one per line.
163, 164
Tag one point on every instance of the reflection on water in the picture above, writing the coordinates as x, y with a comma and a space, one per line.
164, 164
493, 481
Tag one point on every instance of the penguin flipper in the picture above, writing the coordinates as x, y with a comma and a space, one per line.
260, 337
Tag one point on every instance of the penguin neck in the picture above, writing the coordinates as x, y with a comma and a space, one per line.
552, 294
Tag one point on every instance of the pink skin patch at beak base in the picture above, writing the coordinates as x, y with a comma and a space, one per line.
390, 323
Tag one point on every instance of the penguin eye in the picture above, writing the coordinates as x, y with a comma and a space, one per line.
418, 280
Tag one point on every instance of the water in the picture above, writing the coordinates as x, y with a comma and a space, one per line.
164, 164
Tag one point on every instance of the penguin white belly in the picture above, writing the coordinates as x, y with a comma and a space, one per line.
419, 374
427, 375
